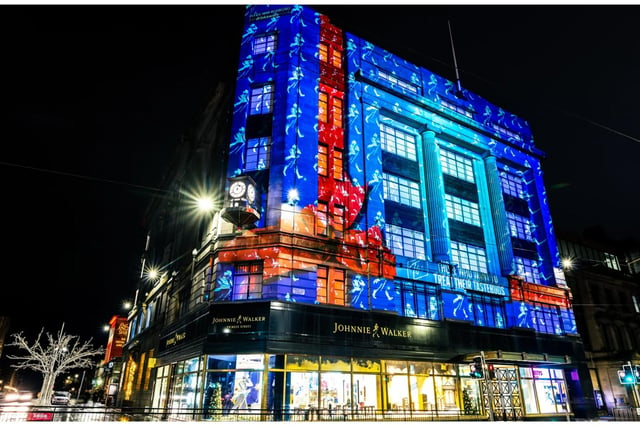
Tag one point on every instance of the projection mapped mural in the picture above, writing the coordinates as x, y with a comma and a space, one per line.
345, 143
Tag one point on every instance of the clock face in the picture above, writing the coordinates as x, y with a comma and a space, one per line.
251, 193
237, 189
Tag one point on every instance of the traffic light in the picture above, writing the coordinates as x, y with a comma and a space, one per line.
475, 368
492, 372
626, 375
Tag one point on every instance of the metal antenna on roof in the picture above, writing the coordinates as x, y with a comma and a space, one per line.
455, 63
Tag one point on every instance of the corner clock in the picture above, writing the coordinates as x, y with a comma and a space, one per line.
251, 193
237, 189
240, 205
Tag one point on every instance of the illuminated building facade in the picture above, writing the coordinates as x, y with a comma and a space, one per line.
378, 229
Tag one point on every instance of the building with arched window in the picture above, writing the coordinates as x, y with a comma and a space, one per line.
380, 246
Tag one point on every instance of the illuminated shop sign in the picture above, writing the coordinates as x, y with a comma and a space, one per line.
240, 322
376, 331
238, 319
175, 339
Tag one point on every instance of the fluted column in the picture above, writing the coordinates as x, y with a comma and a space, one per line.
436, 208
499, 216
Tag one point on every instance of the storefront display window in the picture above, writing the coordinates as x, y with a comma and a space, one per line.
185, 391
395, 367
529, 397
302, 393
446, 394
302, 362
221, 362
218, 393
366, 365
335, 391
548, 386
312, 387
336, 364
471, 394
421, 368
398, 392
160, 388
422, 393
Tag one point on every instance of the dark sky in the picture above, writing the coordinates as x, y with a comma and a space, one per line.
95, 98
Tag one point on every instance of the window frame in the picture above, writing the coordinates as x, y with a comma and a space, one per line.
398, 142
475, 257
405, 242
263, 147
462, 210
457, 165
265, 43
261, 99
401, 190
254, 274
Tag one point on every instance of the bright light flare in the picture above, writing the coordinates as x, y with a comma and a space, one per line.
205, 204
567, 263
293, 197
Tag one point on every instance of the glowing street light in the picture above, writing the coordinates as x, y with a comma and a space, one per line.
567, 263
205, 204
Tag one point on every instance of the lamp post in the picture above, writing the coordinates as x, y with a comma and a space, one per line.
80, 387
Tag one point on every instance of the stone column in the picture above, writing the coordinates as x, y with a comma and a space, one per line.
436, 209
499, 216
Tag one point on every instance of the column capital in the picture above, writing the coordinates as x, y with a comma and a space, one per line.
425, 128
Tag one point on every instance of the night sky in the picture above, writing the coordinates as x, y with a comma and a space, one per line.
95, 99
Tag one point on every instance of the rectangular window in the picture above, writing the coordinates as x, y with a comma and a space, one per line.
336, 112
338, 172
323, 52
456, 165
394, 81
528, 269
401, 190
520, 227
330, 286
546, 319
264, 43
512, 185
457, 109
330, 55
247, 281
462, 210
258, 153
322, 219
487, 311
323, 107
506, 132
338, 221
611, 261
405, 242
469, 257
329, 109
419, 300
261, 101
336, 58
323, 160
397, 142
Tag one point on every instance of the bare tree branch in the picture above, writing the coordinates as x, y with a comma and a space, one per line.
61, 354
